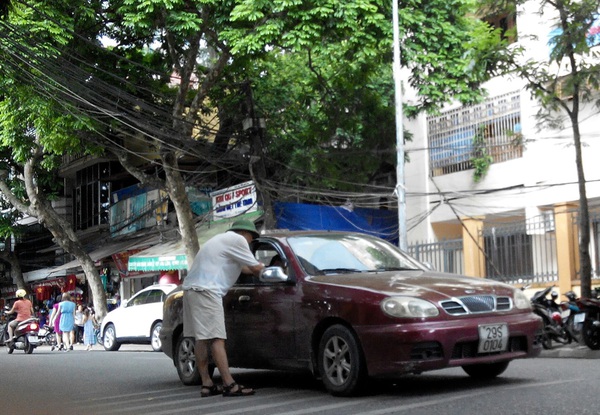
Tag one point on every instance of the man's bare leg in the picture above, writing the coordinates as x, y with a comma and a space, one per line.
201, 353
220, 357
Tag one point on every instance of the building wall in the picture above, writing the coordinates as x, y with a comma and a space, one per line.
543, 178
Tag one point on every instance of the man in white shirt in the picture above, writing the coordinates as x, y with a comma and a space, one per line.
215, 269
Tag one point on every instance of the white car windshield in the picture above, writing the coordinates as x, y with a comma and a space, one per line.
339, 253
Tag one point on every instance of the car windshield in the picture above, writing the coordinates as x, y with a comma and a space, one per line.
343, 253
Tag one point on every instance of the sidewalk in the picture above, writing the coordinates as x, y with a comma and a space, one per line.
571, 351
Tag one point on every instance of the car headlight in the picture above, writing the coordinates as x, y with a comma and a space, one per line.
521, 300
408, 307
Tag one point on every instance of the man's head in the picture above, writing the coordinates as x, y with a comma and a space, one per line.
245, 226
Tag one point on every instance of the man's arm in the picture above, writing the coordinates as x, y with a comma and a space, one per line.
253, 269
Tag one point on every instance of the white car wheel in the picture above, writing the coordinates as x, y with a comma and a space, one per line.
110, 339
155, 337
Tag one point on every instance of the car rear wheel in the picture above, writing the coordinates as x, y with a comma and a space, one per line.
155, 337
185, 361
110, 339
340, 361
485, 371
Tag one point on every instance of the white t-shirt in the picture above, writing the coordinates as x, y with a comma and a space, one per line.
219, 262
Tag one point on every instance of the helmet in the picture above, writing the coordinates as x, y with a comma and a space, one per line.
244, 225
554, 295
21, 293
571, 295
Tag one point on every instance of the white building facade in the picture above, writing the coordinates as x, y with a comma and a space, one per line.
531, 187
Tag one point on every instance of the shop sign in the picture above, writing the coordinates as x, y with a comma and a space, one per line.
234, 201
167, 262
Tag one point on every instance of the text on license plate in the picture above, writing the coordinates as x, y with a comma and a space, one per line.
493, 338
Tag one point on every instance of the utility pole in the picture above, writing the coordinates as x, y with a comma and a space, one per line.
400, 189
255, 126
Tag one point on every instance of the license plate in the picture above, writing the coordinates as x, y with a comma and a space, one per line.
493, 338
32, 339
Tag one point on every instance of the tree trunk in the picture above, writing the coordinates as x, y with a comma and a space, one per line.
585, 262
175, 187
65, 237
15, 268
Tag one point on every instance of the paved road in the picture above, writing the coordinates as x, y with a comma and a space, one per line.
136, 380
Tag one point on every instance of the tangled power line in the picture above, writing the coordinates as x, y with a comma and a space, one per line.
82, 89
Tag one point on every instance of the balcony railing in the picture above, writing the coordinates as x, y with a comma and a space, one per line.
451, 134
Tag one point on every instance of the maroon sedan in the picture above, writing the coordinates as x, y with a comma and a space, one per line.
349, 306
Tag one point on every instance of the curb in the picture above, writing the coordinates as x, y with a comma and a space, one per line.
571, 351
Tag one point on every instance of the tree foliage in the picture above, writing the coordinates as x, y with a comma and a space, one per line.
319, 72
37, 126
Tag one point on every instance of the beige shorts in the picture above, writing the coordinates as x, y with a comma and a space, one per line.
203, 315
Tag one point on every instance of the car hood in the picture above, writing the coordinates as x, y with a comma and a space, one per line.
416, 283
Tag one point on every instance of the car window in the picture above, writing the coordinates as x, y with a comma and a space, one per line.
338, 253
154, 296
266, 253
138, 299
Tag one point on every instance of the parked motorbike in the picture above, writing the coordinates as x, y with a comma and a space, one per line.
573, 316
47, 336
25, 336
550, 312
591, 325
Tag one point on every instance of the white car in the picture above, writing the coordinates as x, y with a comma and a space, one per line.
137, 320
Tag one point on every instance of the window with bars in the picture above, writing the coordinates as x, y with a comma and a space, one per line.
92, 196
451, 134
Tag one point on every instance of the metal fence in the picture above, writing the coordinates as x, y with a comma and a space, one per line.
496, 121
443, 256
522, 251
519, 252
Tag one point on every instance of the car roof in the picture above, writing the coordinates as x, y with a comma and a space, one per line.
165, 287
286, 233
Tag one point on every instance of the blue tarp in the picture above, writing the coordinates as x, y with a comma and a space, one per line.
300, 216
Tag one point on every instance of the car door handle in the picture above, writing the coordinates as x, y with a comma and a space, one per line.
243, 298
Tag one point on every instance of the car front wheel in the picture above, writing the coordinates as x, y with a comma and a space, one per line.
110, 339
485, 371
340, 361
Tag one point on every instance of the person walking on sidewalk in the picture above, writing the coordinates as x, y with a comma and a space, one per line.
55, 323
89, 328
67, 320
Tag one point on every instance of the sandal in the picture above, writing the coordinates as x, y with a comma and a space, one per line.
206, 391
240, 390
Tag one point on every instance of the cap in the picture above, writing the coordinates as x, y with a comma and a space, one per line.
244, 225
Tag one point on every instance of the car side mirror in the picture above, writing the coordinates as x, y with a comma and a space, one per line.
272, 275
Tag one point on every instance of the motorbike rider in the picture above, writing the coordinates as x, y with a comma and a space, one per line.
24, 310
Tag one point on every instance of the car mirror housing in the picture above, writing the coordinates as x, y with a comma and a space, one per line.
273, 274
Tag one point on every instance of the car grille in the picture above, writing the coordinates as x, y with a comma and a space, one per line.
463, 350
467, 350
476, 304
